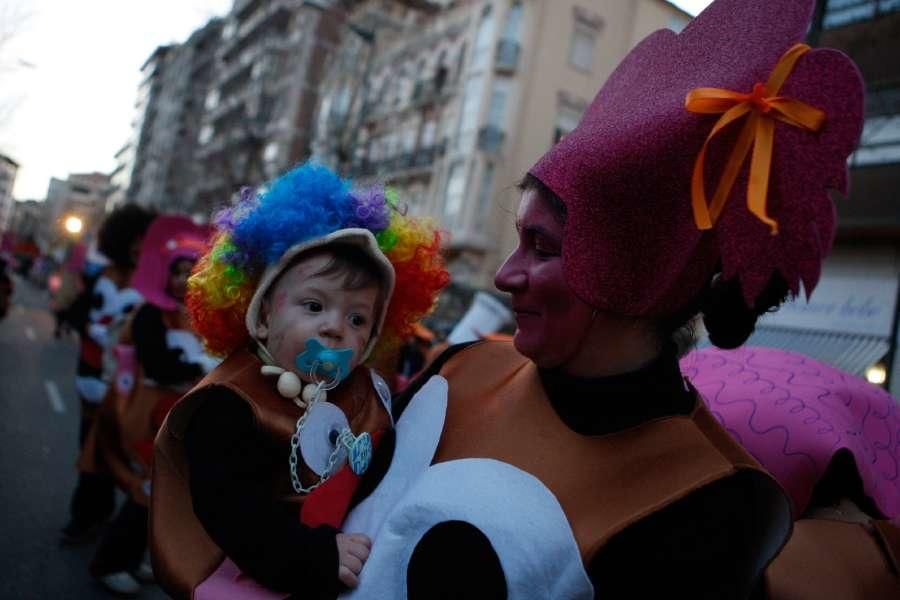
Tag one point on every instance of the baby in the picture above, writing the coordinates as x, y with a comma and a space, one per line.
256, 467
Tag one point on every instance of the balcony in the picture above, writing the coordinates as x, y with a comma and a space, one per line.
506, 60
490, 139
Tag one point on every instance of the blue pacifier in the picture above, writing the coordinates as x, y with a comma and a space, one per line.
331, 363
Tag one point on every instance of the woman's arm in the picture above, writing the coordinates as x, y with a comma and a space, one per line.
230, 478
716, 543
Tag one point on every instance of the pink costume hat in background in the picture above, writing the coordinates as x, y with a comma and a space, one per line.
630, 244
794, 413
76, 258
168, 239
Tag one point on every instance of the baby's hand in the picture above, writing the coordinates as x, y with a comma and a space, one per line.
353, 550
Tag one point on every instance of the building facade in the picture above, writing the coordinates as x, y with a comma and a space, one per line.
452, 104
8, 170
258, 116
157, 167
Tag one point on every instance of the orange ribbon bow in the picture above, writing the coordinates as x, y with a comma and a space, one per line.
762, 108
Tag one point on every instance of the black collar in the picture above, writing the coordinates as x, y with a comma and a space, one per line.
602, 405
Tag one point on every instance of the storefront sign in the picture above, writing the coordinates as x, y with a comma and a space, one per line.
842, 305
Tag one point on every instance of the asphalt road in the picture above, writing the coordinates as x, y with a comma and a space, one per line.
38, 441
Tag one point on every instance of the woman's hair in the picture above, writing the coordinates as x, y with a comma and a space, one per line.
728, 319
532, 183
119, 231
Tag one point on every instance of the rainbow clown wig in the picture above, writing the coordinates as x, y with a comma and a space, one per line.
302, 207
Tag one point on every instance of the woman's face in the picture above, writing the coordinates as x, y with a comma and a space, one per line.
178, 276
552, 321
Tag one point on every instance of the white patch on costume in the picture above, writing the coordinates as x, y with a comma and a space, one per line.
384, 392
191, 349
91, 389
418, 433
316, 445
516, 512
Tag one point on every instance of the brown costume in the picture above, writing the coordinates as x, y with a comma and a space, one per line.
839, 560
604, 483
183, 553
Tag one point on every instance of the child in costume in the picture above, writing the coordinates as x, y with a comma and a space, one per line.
256, 467
103, 306
157, 359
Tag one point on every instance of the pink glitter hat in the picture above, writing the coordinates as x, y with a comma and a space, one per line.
794, 413
168, 239
632, 242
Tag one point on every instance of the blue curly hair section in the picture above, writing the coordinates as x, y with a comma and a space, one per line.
279, 221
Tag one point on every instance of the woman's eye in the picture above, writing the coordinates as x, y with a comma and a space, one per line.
312, 306
544, 252
357, 320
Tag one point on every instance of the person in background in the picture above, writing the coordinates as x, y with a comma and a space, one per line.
576, 462
413, 356
158, 359
104, 305
6, 288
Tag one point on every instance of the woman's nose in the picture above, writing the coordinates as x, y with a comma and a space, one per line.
511, 276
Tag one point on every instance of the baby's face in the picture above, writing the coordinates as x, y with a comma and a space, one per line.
303, 305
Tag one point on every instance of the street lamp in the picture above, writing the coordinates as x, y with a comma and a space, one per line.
73, 225
876, 374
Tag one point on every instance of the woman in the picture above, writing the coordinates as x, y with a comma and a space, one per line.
579, 463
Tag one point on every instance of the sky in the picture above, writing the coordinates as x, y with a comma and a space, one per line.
69, 77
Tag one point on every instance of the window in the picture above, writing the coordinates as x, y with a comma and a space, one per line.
567, 119
677, 23
468, 118
453, 194
497, 111
513, 22
484, 197
880, 143
428, 133
212, 99
270, 154
483, 38
206, 134
843, 12
581, 52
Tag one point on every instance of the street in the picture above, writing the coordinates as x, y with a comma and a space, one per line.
38, 428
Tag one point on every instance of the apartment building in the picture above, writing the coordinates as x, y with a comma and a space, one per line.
157, 167
259, 110
451, 105
8, 170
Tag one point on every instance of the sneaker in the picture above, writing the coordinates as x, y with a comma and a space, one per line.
121, 583
80, 533
144, 573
